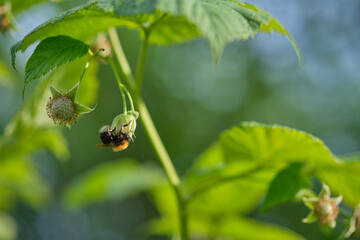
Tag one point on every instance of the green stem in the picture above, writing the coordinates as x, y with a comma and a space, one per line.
141, 63
124, 67
92, 55
130, 99
121, 86
149, 126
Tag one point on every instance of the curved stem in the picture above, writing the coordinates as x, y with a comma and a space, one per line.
130, 99
149, 126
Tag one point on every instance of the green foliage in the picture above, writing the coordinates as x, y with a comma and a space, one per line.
161, 21
344, 179
51, 53
274, 145
111, 181
286, 185
18, 6
20, 179
247, 161
239, 228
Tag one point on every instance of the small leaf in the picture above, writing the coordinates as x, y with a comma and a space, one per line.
285, 186
51, 53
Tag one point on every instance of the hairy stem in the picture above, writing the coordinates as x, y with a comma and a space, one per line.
149, 126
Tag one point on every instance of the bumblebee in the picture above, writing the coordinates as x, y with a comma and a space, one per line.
118, 141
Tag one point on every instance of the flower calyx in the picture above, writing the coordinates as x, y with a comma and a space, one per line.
323, 208
125, 123
62, 107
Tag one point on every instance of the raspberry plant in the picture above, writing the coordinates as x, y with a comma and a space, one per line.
281, 158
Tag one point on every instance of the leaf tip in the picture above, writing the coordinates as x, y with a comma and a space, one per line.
13, 50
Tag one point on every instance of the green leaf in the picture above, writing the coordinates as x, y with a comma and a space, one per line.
128, 7
284, 187
242, 228
167, 21
245, 160
275, 25
344, 179
20, 177
18, 6
221, 21
216, 186
110, 181
272, 144
166, 29
73, 23
51, 53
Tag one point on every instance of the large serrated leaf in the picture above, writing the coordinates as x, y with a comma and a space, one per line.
273, 144
167, 21
223, 21
51, 53
245, 160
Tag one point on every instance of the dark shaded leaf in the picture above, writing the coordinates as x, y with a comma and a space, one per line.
284, 187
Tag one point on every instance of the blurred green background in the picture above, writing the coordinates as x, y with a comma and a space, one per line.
192, 102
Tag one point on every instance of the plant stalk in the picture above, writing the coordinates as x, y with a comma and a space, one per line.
121, 86
141, 63
149, 127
